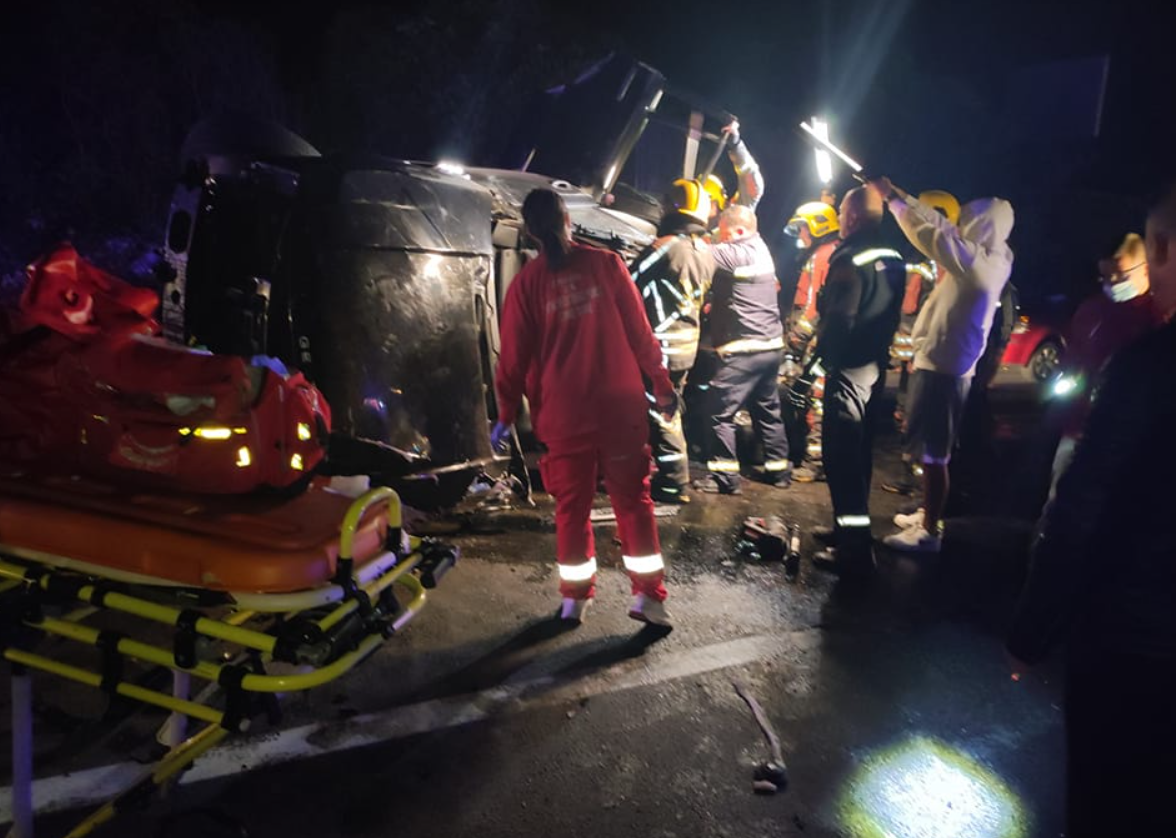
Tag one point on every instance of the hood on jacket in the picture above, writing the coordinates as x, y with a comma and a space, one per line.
987, 221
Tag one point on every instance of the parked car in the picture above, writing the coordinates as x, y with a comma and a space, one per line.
1037, 346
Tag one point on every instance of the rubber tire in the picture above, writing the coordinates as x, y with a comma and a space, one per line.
1045, 361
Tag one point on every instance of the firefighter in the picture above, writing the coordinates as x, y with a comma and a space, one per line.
673, 275
859, 314
815, 226
748, 337
576, 342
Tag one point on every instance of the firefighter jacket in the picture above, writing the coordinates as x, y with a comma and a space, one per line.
673, 275
576, 342
862, 302
751, 181
1093, 583
812, 280
952, 329
744, 309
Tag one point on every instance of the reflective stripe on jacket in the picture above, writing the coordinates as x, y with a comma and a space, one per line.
862, 302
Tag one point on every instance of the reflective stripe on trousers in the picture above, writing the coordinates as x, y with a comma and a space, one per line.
585, 571
570, 471
645, 565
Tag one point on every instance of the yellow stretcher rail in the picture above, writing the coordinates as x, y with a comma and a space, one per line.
167, 768
332, 628
93, 679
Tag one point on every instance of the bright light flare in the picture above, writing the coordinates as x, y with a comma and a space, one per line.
824, 161
927, 789
828, 146
1064, 386
449, 167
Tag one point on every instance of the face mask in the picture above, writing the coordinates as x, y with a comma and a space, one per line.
1127, 289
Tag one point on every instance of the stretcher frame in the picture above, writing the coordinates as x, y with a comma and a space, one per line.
325, 632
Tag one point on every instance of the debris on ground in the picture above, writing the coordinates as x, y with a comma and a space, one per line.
771, 776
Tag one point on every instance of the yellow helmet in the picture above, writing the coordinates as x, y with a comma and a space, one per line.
819, 216
718, 194
689, 198
945, 202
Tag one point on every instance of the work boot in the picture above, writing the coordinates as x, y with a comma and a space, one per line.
808, 474
713, 486
573, 610
649, 610
778, 479
670, 494
856, 565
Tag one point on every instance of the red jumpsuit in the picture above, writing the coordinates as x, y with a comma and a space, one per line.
577, 342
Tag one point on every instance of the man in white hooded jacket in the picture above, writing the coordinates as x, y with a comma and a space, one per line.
949, 336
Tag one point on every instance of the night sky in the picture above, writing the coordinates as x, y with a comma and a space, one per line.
978, 98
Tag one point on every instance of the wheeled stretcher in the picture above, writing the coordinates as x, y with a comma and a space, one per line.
253, 595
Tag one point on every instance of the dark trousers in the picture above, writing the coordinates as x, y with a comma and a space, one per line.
669, 444
1120, 740
745, 381
848, 447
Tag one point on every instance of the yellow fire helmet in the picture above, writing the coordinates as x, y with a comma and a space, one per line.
689, 198
718, 194
945, 202
819, 216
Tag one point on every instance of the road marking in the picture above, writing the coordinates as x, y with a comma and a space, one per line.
521, 692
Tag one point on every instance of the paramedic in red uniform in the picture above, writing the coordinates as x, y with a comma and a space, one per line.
577, 343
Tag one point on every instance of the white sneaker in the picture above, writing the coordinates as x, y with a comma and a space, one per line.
914, 539
913, 519
649, 610
573, 610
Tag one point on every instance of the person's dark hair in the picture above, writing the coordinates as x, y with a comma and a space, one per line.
545, 215
869, 206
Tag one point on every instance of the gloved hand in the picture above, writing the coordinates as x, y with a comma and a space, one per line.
732, 130
500, 437
667, 405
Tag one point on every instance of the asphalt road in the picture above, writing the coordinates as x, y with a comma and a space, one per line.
894, 709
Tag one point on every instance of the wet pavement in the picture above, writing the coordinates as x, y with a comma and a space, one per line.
893, 706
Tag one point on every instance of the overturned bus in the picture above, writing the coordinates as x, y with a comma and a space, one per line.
381, 279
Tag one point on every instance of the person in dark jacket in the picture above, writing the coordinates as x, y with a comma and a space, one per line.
859, 313
1102, 580
748, 337
673, 274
